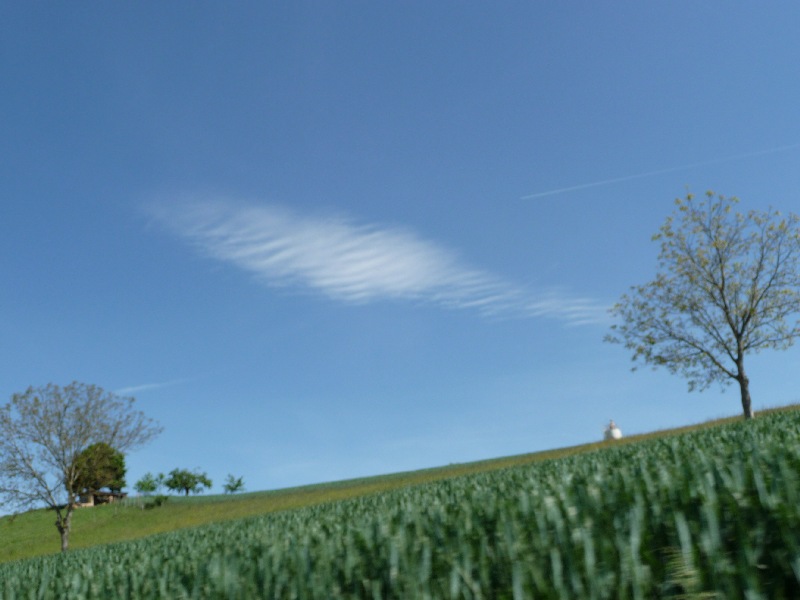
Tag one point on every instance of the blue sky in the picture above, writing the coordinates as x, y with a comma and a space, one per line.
328, 240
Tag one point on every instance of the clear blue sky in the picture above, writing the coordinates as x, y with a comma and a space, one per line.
323, 240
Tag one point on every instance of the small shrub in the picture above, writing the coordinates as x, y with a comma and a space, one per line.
156, 501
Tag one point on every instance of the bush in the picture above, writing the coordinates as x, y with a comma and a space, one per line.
156, 501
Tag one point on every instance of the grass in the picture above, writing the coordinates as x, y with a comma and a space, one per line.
33, 533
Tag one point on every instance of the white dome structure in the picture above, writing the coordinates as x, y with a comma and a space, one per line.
612, 432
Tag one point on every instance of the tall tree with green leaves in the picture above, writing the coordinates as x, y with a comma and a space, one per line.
184, 480
728, 286
43, 433
100, 466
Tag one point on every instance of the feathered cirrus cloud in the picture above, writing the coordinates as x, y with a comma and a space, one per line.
355, 263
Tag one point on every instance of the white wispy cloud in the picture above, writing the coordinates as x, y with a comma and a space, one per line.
355, 263
146, 387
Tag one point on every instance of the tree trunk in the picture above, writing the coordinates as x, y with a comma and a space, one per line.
744, 387
63, 524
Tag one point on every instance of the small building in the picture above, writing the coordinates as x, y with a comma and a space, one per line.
97, 497
612, 432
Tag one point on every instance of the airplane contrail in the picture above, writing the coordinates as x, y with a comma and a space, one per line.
584, 186
127, 391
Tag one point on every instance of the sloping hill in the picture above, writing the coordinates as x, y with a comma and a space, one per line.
33, 534
710, 513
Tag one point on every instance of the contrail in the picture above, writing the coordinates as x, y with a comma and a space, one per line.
584, 186
126, 391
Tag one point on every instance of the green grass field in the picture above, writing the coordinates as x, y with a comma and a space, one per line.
710, 511
33, 533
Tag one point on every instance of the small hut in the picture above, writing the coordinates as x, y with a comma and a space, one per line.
97, 497
612, 432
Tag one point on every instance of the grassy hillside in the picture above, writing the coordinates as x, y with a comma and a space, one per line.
33, 533
711, 513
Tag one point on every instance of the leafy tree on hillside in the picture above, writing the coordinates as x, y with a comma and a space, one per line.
149, 483
233, 484
728, 286
100, 466
183, 480
44, 432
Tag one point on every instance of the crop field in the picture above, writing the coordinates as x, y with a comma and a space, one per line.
708, 514
32, 533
